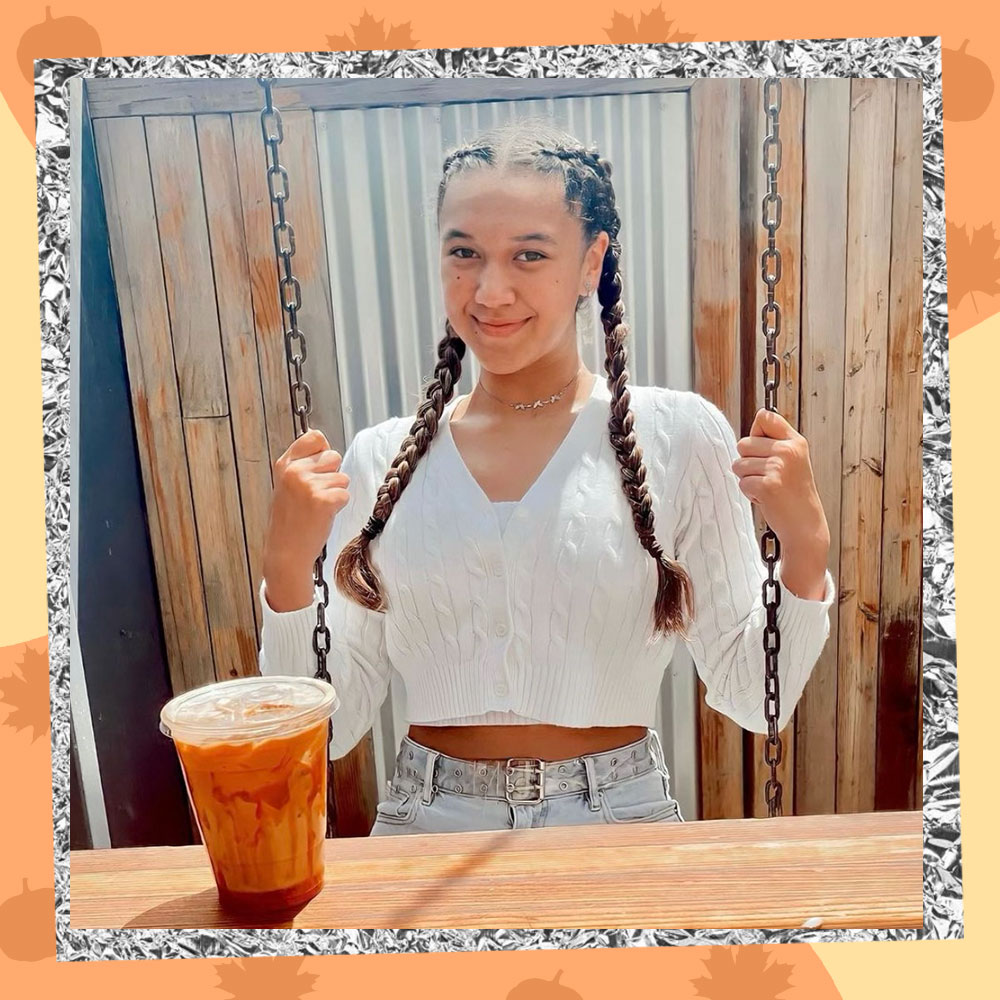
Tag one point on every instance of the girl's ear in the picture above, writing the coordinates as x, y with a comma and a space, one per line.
595, 256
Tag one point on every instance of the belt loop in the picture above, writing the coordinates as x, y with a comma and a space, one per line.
593, 791
427, 794
654, 742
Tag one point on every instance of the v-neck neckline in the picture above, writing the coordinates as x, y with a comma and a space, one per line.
556, 459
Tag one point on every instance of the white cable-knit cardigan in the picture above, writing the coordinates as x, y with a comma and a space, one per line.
552, 617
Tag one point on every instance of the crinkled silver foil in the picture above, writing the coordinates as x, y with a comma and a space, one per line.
854, 57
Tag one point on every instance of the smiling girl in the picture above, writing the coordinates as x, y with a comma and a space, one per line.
526, 556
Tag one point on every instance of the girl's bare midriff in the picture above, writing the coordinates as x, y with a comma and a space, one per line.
543, 741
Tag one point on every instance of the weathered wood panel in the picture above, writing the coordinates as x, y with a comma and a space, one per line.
262, 269
869, 232
821, 374
715, 318
138, 270
194, 307
900, 623
222, 546
239, 343
187, 266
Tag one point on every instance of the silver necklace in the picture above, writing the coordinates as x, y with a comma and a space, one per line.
536, 403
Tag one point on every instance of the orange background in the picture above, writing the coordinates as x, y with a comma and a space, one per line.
972, 207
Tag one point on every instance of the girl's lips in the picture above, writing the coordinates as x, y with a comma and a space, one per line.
500, 329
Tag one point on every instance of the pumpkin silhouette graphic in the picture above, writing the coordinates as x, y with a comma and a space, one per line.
967, 83
27, 925
56, 38
543, 989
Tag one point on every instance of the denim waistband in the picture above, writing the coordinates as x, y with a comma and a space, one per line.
521, 779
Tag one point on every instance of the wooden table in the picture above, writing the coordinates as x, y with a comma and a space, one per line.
848, 870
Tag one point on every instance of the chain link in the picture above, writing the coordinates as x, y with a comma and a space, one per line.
770, 547
300, 394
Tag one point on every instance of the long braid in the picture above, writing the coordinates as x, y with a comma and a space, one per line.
674, 593
355, 574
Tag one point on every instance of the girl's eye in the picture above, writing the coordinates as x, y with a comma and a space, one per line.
461, 251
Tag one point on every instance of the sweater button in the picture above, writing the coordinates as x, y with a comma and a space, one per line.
501, 629
497, 567
500, 687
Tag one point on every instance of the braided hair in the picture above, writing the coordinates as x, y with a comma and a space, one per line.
591, 197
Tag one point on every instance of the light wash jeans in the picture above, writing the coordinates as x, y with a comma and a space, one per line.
431, 792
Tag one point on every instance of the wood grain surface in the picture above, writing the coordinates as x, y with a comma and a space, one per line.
715, 319
847, 870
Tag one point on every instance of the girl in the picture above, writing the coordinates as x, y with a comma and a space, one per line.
535, 547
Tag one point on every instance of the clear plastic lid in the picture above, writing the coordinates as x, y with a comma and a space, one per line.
248, 708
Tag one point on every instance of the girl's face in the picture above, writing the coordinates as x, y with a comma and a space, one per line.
511, 253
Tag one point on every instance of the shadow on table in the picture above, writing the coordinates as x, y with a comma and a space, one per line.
405, 908
201, 909
411, 912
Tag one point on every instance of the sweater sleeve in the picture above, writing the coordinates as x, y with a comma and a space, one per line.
717, 544
359, 668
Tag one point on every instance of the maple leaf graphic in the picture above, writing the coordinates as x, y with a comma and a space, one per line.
653, 26
973, 265
742, 972
26, 692
265, 978
369, 34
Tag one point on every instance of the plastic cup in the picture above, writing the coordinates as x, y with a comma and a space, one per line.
253, 752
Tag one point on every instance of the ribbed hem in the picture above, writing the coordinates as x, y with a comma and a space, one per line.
286, 636
567, 709
798, 618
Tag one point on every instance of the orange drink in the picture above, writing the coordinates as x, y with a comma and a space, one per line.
253, 752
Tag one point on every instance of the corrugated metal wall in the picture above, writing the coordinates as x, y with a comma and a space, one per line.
380, 169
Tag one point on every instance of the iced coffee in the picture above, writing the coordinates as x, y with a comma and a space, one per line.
254, 752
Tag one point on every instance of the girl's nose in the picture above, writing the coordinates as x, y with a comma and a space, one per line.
493, 289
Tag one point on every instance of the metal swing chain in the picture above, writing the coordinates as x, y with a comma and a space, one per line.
300, 394
770, 547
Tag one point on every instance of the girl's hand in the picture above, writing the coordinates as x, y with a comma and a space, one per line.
309, 490
775, 473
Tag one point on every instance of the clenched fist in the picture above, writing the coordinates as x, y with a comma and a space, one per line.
775, 473
309, 491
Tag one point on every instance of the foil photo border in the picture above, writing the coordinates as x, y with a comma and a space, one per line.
910, 57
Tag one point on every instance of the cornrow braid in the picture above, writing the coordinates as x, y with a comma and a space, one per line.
356, 576
674, 592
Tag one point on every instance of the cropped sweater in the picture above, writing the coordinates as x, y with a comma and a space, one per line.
550, 617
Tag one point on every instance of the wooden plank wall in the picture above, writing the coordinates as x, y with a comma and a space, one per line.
850, 347
715, 325
190, 224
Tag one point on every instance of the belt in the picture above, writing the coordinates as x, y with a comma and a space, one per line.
522, 779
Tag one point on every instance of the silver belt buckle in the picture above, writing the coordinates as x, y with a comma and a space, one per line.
515, 763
